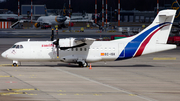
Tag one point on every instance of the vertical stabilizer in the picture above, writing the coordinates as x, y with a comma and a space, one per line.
153, 38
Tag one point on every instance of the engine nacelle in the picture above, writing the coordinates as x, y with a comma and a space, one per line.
67, 42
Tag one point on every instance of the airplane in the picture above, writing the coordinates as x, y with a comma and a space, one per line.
9, 17
53, 20
87, 50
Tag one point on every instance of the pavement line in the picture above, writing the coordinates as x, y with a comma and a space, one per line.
10, 93
5, 76
22, 89
5, 64
106, 85
169, 58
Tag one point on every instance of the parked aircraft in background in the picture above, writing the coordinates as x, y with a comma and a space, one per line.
9, 17
175, 6
83, 51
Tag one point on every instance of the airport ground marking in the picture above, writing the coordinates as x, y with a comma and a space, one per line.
30, 89
11, 93
61, 94
61, 91
5, 65
163, 58
132, 94
106, 85
5, 76
32, 94
97, 94
78, 94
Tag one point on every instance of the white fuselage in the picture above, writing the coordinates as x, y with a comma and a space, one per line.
46, 51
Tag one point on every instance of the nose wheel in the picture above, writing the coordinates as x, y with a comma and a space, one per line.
15, 63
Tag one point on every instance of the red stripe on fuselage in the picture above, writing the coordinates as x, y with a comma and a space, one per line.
143, 45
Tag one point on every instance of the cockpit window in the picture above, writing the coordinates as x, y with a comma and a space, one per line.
17, 46
20, 46
14, 46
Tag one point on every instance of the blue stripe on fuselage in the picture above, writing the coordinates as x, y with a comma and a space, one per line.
133, 45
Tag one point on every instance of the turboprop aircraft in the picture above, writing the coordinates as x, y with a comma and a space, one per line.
83, 51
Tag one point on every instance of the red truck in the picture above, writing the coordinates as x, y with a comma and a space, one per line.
174, 40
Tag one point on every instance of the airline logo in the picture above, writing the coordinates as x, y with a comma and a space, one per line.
47, 45
175, 6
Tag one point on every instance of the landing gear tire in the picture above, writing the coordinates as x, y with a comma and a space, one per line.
14, 64
83, 65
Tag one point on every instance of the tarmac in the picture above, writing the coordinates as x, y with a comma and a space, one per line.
153, 77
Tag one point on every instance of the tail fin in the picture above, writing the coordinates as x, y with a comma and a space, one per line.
175, 6
151, 39
46, 14
154, 37
64, 10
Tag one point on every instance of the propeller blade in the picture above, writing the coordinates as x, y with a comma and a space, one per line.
52, 35
57, 52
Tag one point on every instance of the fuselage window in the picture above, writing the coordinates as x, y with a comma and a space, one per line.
80, 49
84, 49
76, 49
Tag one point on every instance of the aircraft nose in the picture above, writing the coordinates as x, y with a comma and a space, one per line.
3, 54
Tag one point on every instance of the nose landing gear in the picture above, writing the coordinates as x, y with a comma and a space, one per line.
15, 63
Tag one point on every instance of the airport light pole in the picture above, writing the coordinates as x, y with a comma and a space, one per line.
157, 6
118, 12
18, 9
102, 13
69, 13
95, 11
106, 13
31, 11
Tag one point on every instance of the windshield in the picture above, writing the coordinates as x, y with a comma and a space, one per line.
17, 46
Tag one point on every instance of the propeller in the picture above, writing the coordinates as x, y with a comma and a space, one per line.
57, 46
55, 42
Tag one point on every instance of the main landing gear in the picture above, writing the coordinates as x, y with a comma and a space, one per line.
83, 64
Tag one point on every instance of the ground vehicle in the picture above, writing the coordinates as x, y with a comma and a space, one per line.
174, 40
